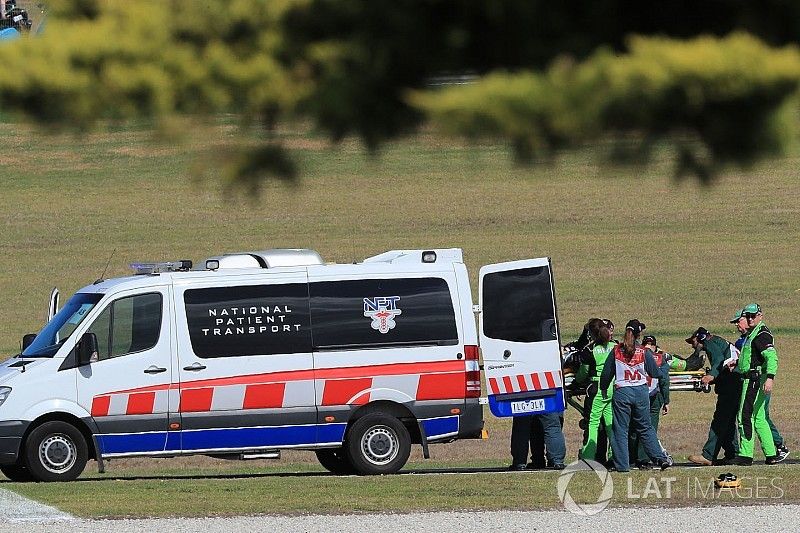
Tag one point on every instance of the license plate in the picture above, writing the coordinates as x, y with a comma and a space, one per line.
527, 406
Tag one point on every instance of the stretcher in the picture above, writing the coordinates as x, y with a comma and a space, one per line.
678, 381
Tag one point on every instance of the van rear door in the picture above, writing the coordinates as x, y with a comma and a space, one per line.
519, 338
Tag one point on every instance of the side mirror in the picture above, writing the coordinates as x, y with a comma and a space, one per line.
27, 340
87, 349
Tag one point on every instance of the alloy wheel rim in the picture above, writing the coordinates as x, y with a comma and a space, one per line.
57, 453
380, 445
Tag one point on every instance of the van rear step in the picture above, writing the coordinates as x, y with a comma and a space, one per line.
246, 456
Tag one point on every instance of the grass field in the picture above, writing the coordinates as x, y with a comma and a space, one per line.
306, 493
623, 243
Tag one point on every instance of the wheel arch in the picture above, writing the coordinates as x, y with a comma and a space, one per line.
395, 409
68, 418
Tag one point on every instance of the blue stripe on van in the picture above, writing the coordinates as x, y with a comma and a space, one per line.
262, 436
438, 427
221, 439
132, 442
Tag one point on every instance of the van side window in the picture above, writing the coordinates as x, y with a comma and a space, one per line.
128, 325
518, 305
248, 320
382, 312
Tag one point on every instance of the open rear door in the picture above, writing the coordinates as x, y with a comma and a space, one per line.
519, 338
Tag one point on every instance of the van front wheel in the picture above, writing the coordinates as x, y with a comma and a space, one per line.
378, 444
16, 472
55, 451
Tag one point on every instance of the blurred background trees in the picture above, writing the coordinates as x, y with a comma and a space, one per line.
718, 80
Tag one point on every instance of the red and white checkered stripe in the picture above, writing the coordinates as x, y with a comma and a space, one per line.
526, 382
339, 386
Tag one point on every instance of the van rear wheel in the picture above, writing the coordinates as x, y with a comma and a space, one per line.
16, 472
335, 461
55, 451
378, 444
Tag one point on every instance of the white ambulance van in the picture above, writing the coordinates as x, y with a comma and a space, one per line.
263, 351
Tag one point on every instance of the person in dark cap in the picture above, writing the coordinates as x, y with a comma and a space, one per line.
627, 367
727, 386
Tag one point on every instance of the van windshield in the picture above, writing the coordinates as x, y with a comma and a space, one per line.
58, 330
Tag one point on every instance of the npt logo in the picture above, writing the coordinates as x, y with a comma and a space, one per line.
585, 509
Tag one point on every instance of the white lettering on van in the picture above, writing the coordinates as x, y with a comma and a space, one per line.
250, 320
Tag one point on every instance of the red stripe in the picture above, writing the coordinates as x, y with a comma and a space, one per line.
551, 384
196, 400
507, 384
442, 386
522, 385
493, 386
264, 395
342, 391
361, 400
141, 403
367, 371
537, 385
100, 405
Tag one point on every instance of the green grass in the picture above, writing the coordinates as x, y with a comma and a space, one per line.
624, 244
243, 492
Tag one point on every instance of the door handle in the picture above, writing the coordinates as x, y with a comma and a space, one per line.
506, 354
153, 369
194, 367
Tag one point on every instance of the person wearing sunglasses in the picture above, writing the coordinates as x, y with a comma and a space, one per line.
758, 365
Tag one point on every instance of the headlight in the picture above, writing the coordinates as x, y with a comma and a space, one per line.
4, 392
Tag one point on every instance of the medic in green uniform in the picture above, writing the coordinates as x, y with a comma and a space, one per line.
758, 364
600, 413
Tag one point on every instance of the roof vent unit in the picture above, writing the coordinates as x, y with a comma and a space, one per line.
282, 257
265, 259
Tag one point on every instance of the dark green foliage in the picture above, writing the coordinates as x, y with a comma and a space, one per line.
550, 74
721, 101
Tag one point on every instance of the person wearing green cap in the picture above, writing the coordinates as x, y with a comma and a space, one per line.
741, 324
758, 364
727, 386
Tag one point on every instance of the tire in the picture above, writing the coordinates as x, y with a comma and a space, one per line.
16, 472
55, 451
335, 461
378, 444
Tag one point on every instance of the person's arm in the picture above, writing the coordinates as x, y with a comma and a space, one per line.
582, 375
584, 372
743, 366
663, 381
650, 365
608, 374
718, 350
764, 343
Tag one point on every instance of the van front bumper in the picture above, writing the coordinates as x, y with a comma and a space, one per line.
11, 432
